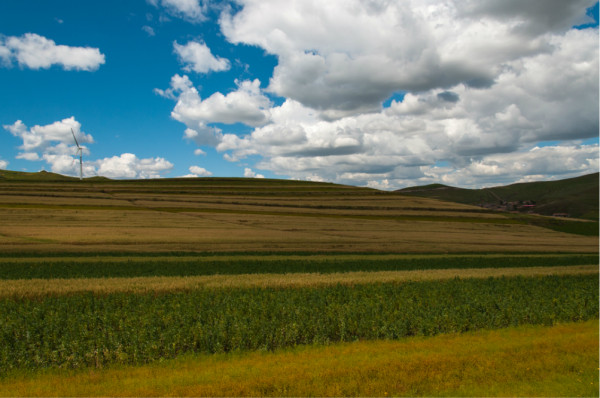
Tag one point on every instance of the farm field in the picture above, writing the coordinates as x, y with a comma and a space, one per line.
245, 215
558, 360
109, 279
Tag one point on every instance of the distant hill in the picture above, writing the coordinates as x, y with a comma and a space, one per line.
10, 175
576, 197
39, 176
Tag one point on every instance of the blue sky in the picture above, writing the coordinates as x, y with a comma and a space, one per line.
381, 93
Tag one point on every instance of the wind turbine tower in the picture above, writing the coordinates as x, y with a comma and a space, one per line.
80, 151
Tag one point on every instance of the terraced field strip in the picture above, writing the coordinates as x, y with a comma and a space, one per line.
31, 288
558, 360
105, 267
271, 256
493, 219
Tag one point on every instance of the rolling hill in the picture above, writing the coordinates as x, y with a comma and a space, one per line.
49, 212
576, 197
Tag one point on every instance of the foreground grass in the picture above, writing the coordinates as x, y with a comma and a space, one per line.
561, 360
43, 287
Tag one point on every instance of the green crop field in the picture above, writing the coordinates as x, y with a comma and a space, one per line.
123, 277
90, 330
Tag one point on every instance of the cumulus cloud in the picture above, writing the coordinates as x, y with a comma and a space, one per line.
189, 10
198, 171
37, 52
197, 57
532, 17
538, 163
344, 57
542, 97
55, 137
128, 165
249, 173
3, 164
247, 105
54, 144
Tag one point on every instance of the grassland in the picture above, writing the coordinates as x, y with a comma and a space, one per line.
575, 196
237, 215
103, 282
519, 361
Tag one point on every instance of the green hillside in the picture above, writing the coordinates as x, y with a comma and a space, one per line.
9, 175
575, 197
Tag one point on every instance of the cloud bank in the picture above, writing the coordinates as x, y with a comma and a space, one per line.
389, 94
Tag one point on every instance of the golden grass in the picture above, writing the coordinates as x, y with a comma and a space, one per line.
222, 257
122, 230
255, 216
42, 287
561, 360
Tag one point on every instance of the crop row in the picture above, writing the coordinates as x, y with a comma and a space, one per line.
95, 330
67, 268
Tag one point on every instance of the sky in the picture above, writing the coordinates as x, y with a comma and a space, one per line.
378, 93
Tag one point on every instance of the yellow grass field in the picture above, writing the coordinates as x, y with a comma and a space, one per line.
526, 361
44, 287
256, 216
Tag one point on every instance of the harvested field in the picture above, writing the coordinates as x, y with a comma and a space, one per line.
236, 215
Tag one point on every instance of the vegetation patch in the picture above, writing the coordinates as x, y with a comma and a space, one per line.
90, 330
194, 266
570, 226
20, 288
560, 360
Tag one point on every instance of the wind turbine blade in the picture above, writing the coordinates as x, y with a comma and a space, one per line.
76, 143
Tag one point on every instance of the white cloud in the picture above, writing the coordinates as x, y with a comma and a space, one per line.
128, 165
68, 165
344, 57
548, 96
149, 30
199, 152
198, 171
54, 144
190, 10
198, 58
179, 84
538, 163
3, 164
248, 173
484, 83
247, 105
31, 156
54, 137
37, 52
533, 17
5, 55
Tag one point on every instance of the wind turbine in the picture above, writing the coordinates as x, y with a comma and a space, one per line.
80, 151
